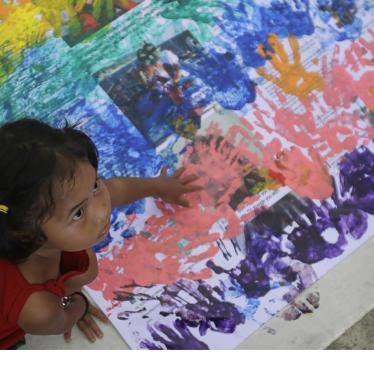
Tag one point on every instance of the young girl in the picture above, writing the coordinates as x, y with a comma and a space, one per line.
53, 208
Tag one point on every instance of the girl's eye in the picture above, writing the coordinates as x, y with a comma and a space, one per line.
79, 214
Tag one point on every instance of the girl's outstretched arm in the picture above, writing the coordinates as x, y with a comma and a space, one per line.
124, 190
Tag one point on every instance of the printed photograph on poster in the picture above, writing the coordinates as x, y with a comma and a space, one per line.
155, 92
165, 89
84, 17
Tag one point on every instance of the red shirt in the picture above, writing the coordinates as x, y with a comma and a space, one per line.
15, 290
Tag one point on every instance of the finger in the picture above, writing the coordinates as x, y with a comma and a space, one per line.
268, 77
278, 48
179, 172
85, 328
192, 188
164, 171
67, 336
94, 327
275, 60
189, 178
294, 44
98, 314
261, 50
184, 202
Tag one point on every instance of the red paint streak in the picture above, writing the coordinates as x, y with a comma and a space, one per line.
307, 176
344, 82
221, 162
343, 86
88, 22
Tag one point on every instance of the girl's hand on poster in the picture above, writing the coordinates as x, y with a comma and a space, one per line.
89, 326
172, 189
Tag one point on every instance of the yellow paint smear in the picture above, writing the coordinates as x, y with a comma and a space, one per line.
25, 26
7, 9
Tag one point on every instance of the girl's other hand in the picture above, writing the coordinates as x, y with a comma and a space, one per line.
88, 325
172, 188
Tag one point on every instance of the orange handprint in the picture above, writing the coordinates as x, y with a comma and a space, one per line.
293, 78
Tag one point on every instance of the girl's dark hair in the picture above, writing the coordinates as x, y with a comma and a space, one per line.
33, 157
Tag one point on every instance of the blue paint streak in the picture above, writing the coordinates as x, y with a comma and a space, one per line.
340, 18
248, 25
228, 83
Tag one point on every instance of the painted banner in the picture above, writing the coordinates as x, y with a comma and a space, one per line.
270, 102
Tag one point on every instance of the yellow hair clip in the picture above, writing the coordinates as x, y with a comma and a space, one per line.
3, 209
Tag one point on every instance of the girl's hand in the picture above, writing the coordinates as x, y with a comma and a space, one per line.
88, 325
172, 188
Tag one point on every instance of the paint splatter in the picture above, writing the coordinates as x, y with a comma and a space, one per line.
270, 249
256, 22
178, 338
197, 10
193, 227
293, 78
22, 28
340, 18
332, 123
230, 262
206, 311
298, 307
357, 58
180, 231
313, 298
265, 260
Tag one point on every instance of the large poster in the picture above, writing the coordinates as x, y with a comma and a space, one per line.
270, 102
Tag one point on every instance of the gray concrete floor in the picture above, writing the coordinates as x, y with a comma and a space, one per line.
359, 336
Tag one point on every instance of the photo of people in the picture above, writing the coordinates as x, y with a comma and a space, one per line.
156, 92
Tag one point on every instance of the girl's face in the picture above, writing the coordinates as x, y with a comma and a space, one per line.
82, 213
